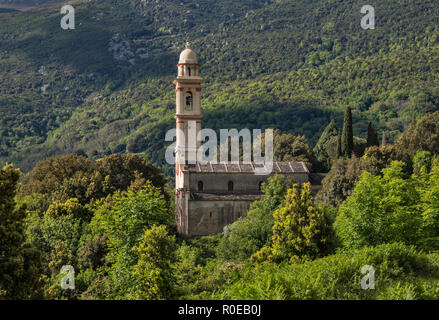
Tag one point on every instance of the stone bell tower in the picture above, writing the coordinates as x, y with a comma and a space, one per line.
188, 124
188, 114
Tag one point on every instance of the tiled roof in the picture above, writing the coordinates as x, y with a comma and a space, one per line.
278, 167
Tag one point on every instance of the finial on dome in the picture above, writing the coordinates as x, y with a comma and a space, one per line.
188, 45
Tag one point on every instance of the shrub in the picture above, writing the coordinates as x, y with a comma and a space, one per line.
247, 235
335, 277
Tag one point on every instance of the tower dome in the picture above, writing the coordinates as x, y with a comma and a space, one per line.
188, 56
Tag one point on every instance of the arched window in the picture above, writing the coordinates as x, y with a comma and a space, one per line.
189, 71
200, 185
189, 100
230, 186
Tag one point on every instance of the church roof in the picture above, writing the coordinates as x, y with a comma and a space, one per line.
290, 167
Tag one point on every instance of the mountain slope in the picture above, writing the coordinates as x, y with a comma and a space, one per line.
107, 85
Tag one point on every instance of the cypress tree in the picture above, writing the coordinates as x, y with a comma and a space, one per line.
339, 153
372, 135
326, 148
347, 138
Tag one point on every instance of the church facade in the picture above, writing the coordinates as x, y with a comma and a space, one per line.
213, 195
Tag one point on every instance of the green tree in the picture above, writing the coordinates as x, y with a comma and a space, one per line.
62, 177
300, 228
59, 257
70, 207
339, 153
20, 264
154, 269
326, 149
422, 161
372, 135
287, 147
344, 174
249, 234
340, 181
421, 135
119, 172
47, 231
381, 210
73, 176
347, 139
123, 222
94, 252
375, 159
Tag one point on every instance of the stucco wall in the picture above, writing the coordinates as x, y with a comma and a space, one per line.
242, 183
210, 217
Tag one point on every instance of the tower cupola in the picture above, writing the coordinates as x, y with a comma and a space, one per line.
187, 56
188, 63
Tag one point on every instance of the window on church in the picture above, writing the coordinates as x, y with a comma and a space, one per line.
189, 100
230, 186
200, 185
189, 71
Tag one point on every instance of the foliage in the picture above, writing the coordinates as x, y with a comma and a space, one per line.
62, 177
338, 277
344, 174
326, 149
153, 271
299, 229
421, 135
73, 176
47, 231
70, 207
123, 223
347, 136
75, 94
287, 147
391, 208
20, 263
372, 135
249, 234
340, 181
107, 89
93, 253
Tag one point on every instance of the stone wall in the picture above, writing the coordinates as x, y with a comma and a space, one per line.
210, 217
243, 183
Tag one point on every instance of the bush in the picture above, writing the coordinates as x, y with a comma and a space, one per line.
391, 208
153, 272
123, 221
336, 277
247, 235
300, 228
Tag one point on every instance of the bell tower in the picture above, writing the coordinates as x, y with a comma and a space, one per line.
188, 124
188, 104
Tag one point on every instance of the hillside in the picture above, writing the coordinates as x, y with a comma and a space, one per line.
106, 86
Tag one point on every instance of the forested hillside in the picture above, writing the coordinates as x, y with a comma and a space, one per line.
106, 87
84, 113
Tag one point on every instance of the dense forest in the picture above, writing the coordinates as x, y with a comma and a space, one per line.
106, 87
112, 220
83, 119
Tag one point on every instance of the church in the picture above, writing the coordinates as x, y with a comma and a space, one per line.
213, 195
